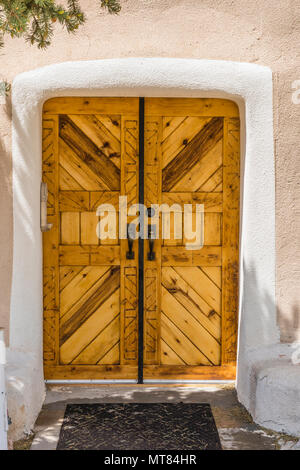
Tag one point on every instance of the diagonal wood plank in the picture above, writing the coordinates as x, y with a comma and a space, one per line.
66, 181
168, 356
184, 348
179, 138
190, 327
112, 123
202, 284
88, 331
80, 284
89, 153
112, 356
170, 124
213, 182
109, 285
82, 173
101, 345
95, 129
73, 201
192, 301
196, 149
104, 197
214, 273
201, 170
66, 274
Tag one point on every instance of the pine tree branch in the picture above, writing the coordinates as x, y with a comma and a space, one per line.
5, 88
113, 6
33, 19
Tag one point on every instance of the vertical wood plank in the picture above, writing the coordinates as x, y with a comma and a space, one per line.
51, 242
70, 232
129, 268
73, 243
88, 226
152, 276
230, 249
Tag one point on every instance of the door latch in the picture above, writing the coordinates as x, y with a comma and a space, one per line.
45, 226
151, 237
130, 237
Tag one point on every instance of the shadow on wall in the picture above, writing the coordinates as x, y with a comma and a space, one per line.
268, 370
266, 317
6, 226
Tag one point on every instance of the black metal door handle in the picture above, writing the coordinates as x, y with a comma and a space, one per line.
130, 238
151, 237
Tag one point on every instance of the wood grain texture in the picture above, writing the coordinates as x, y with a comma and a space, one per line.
50, 243
199, 150
213, 201
90, 327
184, 372
90, 157
194, 150
230, 249
152, 269
129, 268
207, 256
91, 106
182, 107
88, 153
90, 372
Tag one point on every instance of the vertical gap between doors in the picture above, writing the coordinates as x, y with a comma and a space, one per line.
141, 245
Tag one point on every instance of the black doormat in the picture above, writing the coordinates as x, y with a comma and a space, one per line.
139, 426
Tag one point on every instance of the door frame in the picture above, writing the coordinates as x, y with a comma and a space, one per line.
249, 85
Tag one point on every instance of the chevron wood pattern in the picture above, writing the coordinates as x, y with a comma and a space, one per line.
193, 162
90, 321
230, 235
90, 157
90, 313
91, 162
129, 268
152, 269
191, 308
130, 314
50, 241
196, 301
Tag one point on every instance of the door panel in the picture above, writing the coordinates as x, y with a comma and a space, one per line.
90, 157
91, 305
192, 157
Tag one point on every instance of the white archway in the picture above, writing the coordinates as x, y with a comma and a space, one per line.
247, 84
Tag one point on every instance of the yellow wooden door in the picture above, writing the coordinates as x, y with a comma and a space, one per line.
91, 305
90, 157
191, 296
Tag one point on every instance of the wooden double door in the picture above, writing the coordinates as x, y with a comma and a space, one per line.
110, 315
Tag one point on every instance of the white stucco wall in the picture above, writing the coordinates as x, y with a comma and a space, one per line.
247, 84
3, 407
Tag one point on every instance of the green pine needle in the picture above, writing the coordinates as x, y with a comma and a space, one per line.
4, 88
35, 19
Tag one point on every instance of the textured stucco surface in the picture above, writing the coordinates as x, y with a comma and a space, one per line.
141, 77
266, 33
271, 387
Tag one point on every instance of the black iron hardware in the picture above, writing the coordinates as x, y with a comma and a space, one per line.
141, 246
130, 238
151, 237
150, 211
